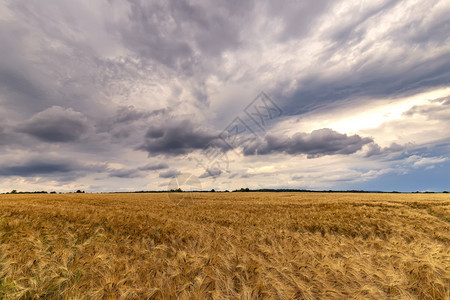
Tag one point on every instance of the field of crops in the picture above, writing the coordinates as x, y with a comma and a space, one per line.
225, 246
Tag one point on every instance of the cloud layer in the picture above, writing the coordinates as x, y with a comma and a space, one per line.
124, 95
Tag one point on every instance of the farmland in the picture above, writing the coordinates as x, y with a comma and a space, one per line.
225, 246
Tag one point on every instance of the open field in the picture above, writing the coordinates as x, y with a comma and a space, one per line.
225, 246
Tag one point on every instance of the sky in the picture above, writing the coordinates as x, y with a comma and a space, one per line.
132, 95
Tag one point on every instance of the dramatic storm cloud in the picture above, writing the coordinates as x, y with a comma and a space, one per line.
125, 95
176, 138
56, 125
317, 143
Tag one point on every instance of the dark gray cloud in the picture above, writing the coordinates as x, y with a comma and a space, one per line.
126, 115
176, 138
127, 124
152, 167
315, 144
214, 172
48, 166
126, 173
36, 168
169, 174
56, 124
375, 149
138, 172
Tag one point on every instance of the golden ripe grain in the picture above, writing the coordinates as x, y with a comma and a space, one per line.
225, 246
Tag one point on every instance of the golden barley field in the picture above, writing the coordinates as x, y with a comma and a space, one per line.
225, 246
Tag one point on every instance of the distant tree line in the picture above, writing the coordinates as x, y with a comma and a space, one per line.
38, 192
179, 190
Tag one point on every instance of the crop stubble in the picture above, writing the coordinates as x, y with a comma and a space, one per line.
225, 246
